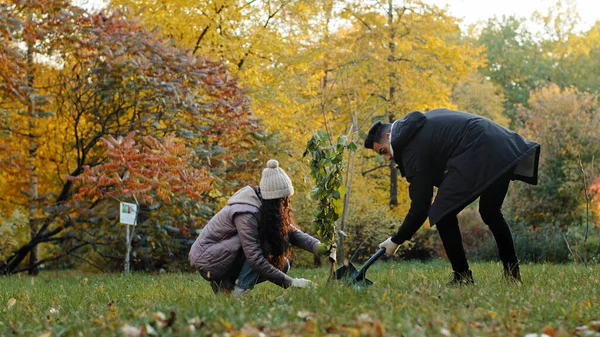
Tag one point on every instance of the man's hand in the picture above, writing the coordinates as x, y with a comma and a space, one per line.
390, 247
303, 283
325, 249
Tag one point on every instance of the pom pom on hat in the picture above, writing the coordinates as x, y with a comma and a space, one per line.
275, 183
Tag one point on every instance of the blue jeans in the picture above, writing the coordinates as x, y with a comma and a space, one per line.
240, 275
248, 278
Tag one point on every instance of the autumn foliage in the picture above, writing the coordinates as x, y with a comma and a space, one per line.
148, 171
595, 199
123, 113
180, 105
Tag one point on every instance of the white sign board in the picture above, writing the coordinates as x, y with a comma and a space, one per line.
128, 213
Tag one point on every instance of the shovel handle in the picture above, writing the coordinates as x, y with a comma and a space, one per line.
373, 258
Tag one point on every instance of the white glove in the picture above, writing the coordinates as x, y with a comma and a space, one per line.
303, 283
390, 247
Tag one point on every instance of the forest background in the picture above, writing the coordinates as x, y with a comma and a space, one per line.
176, 105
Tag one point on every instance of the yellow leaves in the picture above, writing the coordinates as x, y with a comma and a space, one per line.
367, 326
384, 296
226, 325
586, 304
45, 334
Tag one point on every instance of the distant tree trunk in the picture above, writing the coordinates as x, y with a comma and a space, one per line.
348, 182
34, 253
390, 106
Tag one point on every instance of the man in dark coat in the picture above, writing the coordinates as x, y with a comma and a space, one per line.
466, 157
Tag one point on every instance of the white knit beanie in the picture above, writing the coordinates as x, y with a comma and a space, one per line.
275, 184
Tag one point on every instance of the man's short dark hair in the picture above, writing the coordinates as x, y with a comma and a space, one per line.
376, 134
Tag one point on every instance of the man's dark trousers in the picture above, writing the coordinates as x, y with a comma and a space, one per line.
490, 209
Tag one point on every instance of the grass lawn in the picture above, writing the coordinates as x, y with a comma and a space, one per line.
407, 299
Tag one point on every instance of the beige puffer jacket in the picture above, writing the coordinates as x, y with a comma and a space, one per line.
235, 228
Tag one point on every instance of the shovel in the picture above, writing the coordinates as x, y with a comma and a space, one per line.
353, 276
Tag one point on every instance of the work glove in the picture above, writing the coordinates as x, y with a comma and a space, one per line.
325, 249
303, 283
390, 247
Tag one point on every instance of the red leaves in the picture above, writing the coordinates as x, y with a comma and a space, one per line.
148, 170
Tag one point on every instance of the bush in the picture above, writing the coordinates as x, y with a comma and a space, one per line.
541, 244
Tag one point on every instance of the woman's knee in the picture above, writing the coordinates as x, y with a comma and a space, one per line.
286, 266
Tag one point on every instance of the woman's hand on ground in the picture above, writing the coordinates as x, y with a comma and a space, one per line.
303, 283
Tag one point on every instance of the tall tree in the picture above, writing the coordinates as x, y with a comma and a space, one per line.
410, 55
33, 25
107, 75
566, 123
513, 60
478, 95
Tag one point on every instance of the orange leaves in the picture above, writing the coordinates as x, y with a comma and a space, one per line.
148, 171
595, 198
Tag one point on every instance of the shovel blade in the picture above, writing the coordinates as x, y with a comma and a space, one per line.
351, 276
359, 279
346, 272
361, 283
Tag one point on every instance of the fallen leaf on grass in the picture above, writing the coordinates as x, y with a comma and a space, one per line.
305, 315
585, 331
196, 322
368, 326
548, 330
251, 331
190, 328
159, 319
12, 302
364, 318
148, 330
131, 331
310, 327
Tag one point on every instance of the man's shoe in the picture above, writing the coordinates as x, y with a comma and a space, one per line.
512, 272
462, 278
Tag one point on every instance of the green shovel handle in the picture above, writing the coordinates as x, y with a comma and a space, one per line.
373, 258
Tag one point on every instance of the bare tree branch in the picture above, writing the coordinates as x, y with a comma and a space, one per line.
373, 169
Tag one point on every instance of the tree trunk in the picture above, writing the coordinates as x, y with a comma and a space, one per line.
32, 167
128, 253
390, 107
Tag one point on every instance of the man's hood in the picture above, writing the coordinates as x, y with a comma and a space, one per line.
246, 196
405, 129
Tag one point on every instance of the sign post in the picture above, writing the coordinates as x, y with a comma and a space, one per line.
128, 216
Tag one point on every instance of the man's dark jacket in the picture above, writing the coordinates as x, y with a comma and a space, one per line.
460, 153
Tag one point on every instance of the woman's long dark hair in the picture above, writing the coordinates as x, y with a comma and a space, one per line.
273, 228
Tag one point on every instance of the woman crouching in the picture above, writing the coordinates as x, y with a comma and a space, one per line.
248, 241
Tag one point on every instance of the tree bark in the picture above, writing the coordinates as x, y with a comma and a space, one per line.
34, 253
